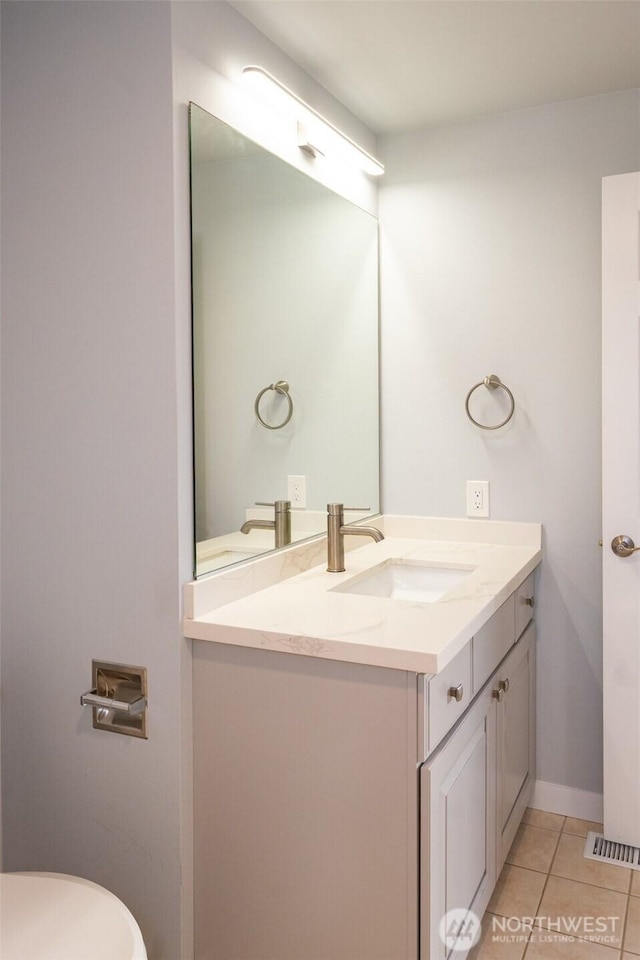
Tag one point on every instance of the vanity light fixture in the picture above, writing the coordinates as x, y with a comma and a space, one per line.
316, 135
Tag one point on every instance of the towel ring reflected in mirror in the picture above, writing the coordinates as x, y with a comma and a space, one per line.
281, 387
492, 382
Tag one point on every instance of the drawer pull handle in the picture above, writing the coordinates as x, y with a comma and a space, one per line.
503, 687
456, 693
529, 601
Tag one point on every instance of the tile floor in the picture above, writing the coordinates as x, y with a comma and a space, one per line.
583, 910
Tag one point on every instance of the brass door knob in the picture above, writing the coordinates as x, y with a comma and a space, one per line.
623, 546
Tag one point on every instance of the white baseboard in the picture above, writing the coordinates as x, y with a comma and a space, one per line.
567, 801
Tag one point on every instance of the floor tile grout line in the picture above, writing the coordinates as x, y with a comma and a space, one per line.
576, 936
619, 949
625, 921
553, 829
591, 823
626, 913
555, 854
545, 874
535, 825
548, 874
582, 836
589, 883
544, 887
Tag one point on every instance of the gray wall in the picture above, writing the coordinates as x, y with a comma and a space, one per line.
96, 432
89, 467
491, 264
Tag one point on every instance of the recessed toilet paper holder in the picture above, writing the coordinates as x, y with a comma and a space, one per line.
118, 698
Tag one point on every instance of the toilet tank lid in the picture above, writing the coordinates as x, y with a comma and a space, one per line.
53, 916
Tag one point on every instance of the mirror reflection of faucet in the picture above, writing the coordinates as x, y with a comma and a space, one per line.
336, 532
281, 522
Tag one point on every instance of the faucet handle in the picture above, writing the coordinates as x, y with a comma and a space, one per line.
279, 505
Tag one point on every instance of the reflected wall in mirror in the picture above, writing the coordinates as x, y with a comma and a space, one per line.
285, 303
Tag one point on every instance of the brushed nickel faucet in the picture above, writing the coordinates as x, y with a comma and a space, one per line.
281, 523
336, 532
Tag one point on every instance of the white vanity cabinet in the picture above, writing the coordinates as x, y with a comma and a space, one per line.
474, 791
341, 809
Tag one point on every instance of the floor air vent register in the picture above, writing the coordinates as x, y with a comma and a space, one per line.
621, 854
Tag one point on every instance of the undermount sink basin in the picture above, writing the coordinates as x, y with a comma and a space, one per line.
406, 580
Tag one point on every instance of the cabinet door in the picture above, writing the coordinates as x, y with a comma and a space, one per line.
515, 681
458, 825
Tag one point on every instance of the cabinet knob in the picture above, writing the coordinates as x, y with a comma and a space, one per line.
456, 693
529, 601
503, 687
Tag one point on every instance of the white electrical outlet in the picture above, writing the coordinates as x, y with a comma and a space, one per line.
477, 498
297, 491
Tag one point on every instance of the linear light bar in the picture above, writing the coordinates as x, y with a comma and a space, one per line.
316, 135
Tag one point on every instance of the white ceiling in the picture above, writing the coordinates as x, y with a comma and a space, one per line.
403, 64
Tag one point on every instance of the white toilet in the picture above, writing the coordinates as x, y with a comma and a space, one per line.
51, 916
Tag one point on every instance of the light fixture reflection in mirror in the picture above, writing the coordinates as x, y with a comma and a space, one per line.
285, 290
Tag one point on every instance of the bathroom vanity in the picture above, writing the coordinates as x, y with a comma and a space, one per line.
362, 760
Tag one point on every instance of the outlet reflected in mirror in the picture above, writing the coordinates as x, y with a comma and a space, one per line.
285, 344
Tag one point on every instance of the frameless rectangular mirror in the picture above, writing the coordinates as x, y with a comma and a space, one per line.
285, 349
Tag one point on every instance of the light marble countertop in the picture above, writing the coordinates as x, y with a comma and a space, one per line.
303, 615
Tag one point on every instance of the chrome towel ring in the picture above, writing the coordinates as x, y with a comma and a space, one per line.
491, 383
281, 387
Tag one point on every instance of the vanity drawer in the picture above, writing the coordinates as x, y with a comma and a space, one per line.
493, 641
443, 709
524, 604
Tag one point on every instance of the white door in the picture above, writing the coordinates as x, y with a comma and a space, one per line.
621, 504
